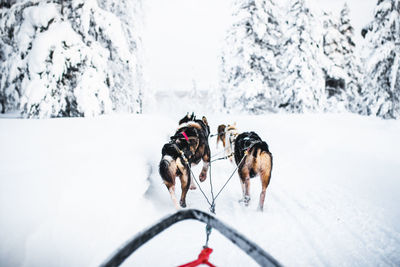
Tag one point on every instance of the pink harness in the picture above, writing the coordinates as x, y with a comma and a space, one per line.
186, 137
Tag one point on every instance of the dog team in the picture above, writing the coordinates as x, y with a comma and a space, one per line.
189, 145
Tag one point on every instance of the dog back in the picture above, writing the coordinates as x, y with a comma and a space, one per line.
248, 141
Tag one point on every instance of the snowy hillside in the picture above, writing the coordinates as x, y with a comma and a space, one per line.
73, 190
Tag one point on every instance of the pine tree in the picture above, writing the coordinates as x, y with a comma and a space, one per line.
333, 67
351, 64
382, 83
69, 58
342, 67
249, 69
127, 92
302, 85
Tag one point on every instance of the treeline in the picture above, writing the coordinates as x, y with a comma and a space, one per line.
295, 61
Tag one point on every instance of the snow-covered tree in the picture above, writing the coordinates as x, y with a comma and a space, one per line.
302, 86
249, 68
333, 67
7, 3
129, 12
69, 58
382, 85
342, 66
352, 64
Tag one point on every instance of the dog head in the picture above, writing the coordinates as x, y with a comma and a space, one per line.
231, 127
231, 130
187, 118
205, 126
191, 121
221, 129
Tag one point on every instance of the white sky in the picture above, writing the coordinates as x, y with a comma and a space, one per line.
182, 38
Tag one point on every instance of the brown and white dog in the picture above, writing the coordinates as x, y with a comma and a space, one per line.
227, 135
253, 158
187, 147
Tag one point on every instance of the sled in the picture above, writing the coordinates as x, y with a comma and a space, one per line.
249, 247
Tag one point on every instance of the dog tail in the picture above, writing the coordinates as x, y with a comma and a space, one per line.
264, 148
164, 171
261, 145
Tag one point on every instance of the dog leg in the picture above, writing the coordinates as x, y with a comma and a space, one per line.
262, 198
265, 175
230, 148
184, 187
203, 174
192, 184
246, 198
171, 190
228, 152
247, 191
206, 163
244, 175
265, 178
243, 188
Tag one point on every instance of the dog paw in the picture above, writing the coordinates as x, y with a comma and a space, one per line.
192, 187
183, 204
245, 200
202, 177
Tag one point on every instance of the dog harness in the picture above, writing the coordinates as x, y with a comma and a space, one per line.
181, 153
248, 143
185, 135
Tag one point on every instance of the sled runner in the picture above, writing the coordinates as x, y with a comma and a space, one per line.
249, 247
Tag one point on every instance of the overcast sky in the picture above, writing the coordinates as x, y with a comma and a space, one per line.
182, 38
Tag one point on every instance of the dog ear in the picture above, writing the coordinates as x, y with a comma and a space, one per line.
204, 119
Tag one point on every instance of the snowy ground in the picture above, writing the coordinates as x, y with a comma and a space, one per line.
73, 190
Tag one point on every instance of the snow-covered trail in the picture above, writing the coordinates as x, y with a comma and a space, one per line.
325, 205
73, 190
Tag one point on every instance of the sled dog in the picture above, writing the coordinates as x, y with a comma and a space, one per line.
186, 148
257, 160
227, 135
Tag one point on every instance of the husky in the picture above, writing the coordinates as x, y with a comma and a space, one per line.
227, 135
252, 156
186, 148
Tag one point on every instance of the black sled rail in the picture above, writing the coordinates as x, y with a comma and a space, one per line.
249, 247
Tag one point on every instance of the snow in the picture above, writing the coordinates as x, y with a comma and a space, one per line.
74, 190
